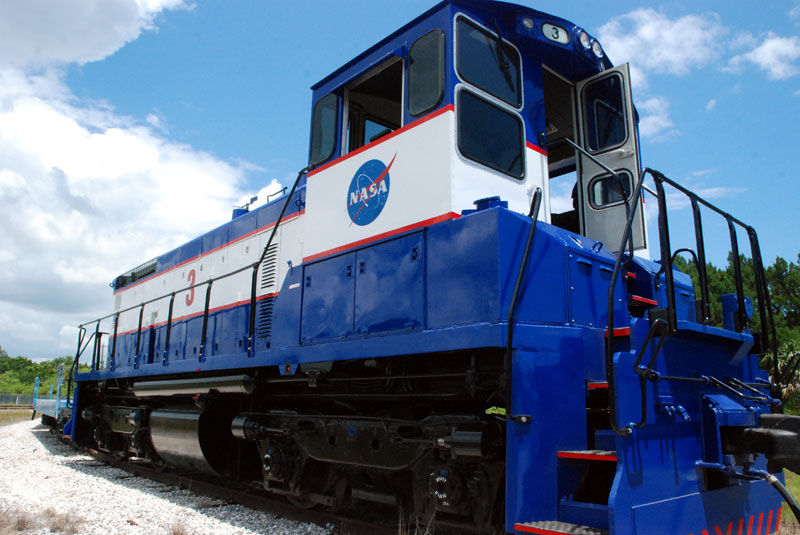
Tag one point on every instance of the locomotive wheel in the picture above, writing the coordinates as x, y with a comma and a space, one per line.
159, 465
301, 503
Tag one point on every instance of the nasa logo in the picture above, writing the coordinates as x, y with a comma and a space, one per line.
368, 192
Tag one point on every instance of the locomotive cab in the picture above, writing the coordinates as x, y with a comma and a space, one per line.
461, 105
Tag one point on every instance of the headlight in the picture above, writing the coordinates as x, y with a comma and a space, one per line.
597, 49
528, 23
583, 38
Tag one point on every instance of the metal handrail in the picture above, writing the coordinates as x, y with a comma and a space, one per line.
764, 306
700, 261
209, 282
626, 235
533, 214
702, 307
646, 372
201, 353
765, 310
666, 253
252, 329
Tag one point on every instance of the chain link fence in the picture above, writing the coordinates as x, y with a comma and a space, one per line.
19, 400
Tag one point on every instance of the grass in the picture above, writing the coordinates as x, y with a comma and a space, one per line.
14, 522
789, 524
12, 416
67, 523
177, 528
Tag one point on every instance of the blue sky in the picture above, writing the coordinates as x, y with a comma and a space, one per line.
127, 127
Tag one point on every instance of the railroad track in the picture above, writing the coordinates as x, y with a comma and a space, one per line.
344, 524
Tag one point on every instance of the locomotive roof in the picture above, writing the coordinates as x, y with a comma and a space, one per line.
395, 40
257, 219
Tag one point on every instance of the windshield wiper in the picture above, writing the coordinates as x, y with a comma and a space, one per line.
502, 58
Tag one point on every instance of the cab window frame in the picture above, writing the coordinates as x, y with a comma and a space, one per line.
606, 178
352, 135
590, 122
323, 131
467, 76
501, 107
414, 108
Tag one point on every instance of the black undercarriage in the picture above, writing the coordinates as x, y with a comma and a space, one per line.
419, 434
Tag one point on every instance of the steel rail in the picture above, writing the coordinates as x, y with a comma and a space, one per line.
248, 496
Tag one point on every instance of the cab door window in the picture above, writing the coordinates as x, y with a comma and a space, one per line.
604, 108
606, 190
374, 105
608, 130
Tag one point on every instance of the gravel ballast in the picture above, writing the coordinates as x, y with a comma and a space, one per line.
48, 487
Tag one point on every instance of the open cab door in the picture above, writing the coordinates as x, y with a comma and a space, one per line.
607, 131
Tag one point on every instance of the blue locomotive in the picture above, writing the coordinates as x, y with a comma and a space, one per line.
420, 323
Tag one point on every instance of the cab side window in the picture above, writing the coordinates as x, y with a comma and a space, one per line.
323, 129
426, 73
489, 134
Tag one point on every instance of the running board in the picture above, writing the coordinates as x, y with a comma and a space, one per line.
553, 527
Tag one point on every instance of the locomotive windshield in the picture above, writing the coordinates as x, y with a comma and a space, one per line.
489, 132
488, 63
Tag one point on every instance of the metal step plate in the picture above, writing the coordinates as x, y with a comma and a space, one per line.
553, 527
589, 455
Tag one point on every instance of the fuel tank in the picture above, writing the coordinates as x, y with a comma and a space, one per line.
190, 439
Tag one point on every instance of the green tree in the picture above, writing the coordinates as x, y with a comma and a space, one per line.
17, 374
783, 283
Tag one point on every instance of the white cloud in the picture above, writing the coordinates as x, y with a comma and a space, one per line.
700, 181
775, 55
742, 40
678, 201
655, 122
794, 13
654, 43
85, 193
157, 121
711, 104
263, 194
42, 32
83, 202
561, 193
703, 172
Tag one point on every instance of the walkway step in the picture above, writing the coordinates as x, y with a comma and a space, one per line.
589, 455
552, 527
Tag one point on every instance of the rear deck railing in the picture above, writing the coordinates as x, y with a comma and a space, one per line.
664, 321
